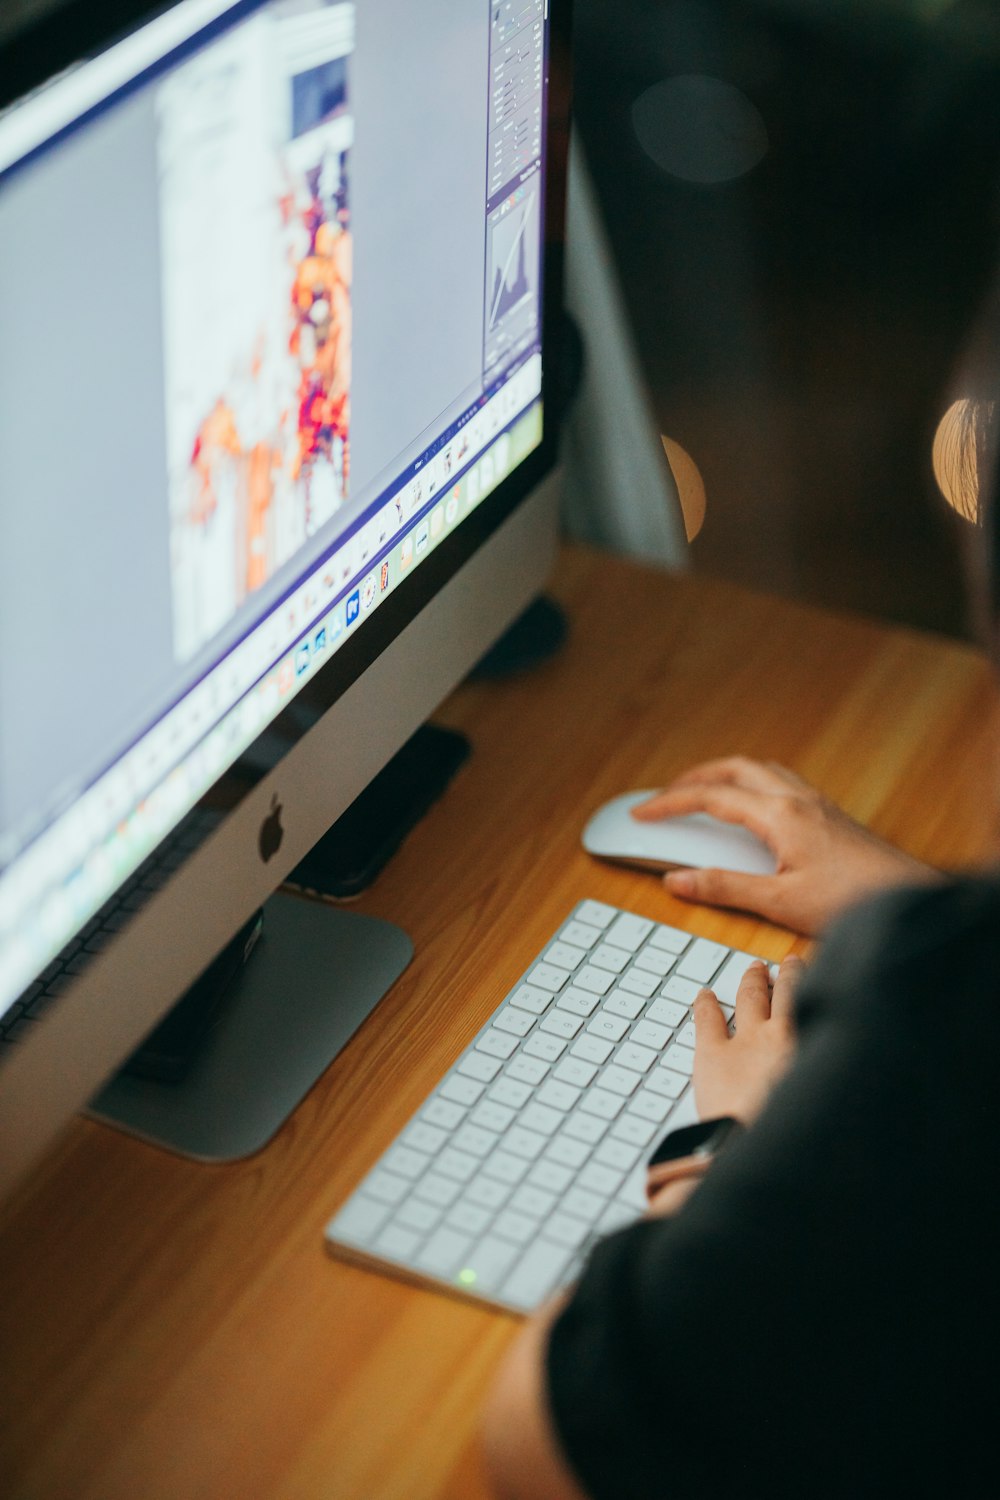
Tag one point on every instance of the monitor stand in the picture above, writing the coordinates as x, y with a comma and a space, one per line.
316, 973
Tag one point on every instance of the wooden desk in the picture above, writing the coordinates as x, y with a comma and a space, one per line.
177, 1332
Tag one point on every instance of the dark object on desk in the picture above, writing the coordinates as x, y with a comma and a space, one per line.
706, 1138
347, 859
169, 1050
534, 636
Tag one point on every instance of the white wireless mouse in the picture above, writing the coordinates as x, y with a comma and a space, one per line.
697, 840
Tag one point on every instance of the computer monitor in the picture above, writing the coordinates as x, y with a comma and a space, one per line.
279, 294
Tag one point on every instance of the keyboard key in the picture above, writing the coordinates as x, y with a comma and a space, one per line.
536, 1274
727, 981
423, 1137
360, 1220
497, 1043
505, 1167
516, 1022
633, 1190
469, 1218
510, 1091
474, 1139
545, 1046
588, 1125
433, 1188
624, 1004
574, 1071
526, 1070
639, 1059
478, 1067
620, 1154
531, 999
608, 1028
636, 982
687, 1035
561, 1023
650, 1106
492, 1116
701, 960
591, 1049
595, 913
607, 957
564, 1229
599, 1178
460, 1090
666, 1081
580, 1002
580, 934
669, 938
601, 1102
582, 1204
523, 1142
385, 1186
683, 990
541, 1118
629, 931
397, 1242
655, 961
532, 1200
619, 1080
404, 1161
415, 1214
668, 1012
648, 1034
560, 1095
548, 977
441, 1112
681, 1059
529, 1070
597, 981
564, 955
514, 1226
568, 1151
487, 1192
550, 1176
444, 1251
486, 1266
632, 1129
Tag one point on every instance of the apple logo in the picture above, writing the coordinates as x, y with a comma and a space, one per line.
271, 831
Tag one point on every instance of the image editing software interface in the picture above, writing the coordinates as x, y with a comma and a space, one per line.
270, 280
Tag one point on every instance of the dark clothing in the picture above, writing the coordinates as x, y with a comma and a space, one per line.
821, 1318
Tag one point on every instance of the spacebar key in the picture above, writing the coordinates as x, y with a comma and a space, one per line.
536, 1274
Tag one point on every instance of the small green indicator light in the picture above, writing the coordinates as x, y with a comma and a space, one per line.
466, 1276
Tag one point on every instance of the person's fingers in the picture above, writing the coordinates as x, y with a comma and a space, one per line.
783, 993
725, 888
709, 1021
753, 995
790, 780
737, 770
730, 804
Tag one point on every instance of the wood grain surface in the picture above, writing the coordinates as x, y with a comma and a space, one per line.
171, 1331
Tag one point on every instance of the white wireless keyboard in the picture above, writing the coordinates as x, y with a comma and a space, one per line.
538, 1137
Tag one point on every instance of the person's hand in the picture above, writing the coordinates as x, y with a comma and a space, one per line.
825, 860
733, 1075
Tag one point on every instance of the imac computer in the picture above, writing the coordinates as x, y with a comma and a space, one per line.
279, 295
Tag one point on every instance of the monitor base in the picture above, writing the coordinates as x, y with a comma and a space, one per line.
316, 974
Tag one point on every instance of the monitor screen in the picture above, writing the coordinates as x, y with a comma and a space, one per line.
270, 292
264, 347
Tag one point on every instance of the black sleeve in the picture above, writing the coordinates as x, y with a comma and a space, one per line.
792, 1332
